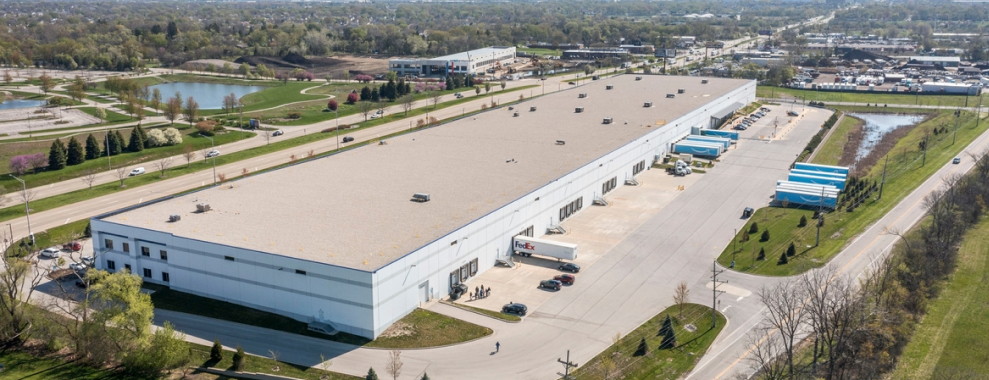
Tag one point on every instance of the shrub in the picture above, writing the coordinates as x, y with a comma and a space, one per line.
294, 115
791, 250
156, 138
353, 98
238, 361
765, 236
783, 259
803, 221
172, 136
762, 254
332, 105
642, 349
754, 228
216, 352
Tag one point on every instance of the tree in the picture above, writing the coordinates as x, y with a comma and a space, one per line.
89, 177
436, 96
122, 174
394, 363
101, 114
172, 136
365, 108
7, 78
353, 97
156, 138
56, 155
477, 90
191, 109
785, 314
366, 93
163, 164
783, 259
77, 90
487, 87
92, 147
680, 295
18, 280
166, 350
669, 335
424, 376
37, 161
47, 82
803, 221
503, 84
408, 101
136, 143
754, 228
111, 144
371, 375
833, 308
216, 352
765, 236
762, 254
189, 153
20, 164
643, 348
173, 108
75, 154
156, 99
229, 103
238, 360
332, 105
791, 250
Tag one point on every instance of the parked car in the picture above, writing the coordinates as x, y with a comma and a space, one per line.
88, 260
375, 116
570, 267
137, 171
566, 279
72, 246
550, 284
277, 133
957, 160
515, 308
347, 139
212, 153
51, 252
78, 267
747, 212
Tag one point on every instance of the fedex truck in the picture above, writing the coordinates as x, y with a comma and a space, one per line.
528, 246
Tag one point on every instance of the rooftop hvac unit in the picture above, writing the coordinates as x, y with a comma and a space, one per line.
582, 95
532, 109
561, 142
174, 218
680, 91
647, 104
515, 114
608, 87
420, 197
578, 109
202, 207
607, 120
703, 81
638, 78
671, 95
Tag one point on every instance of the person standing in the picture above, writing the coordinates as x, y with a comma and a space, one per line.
497, 346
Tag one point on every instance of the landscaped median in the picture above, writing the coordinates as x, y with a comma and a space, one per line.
908, 166
485, 312
648, 352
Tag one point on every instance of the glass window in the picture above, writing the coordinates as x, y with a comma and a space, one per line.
147, 272
164, 276
127, 267
164, 255
108, 244
126, 247
111, 265
145, 251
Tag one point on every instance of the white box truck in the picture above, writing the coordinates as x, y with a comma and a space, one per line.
528, 246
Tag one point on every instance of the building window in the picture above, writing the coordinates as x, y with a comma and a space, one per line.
147, 272
164, 276
127, 268
164, 255
111, 265
145, 251
126, 247
228, 258
108, 244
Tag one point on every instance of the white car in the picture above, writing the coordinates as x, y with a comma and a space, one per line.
137, 171
51, 252
212, 153
375, 116
78, 267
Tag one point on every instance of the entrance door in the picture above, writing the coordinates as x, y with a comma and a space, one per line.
424, 292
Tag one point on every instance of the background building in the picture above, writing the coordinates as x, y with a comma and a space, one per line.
471, 62
338, 240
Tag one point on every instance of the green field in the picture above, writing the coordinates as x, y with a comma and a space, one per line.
22, 365
872, 98
946, 341
907, 169
829, 152
620, 362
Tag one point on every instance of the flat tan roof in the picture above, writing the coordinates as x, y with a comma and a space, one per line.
353, 209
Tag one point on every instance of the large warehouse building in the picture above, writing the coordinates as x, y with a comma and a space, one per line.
472, 62
339, 240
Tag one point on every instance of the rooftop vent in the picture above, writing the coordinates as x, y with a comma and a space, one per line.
420, 197
582, 95
578, 109
671, 95
638, 78
607, 120
647, 104
703, 81
680, 91
174, 218
516, 114
202, 207
561, 142
532, 109
608, 87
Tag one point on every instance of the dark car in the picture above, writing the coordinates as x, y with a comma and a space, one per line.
566, 279
277, 133
747, 212
515, 308
570, 267
347, 139
550, 284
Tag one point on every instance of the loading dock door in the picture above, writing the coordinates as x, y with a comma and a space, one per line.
424, 292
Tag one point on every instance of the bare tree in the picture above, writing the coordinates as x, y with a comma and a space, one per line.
365, 108
89, 177
680, 295
394, 363
436, 98
122, 175
765, 349
785, 314
17, 282
833, 307
408, 101
229, 102
191, 109
163, 164
189, 153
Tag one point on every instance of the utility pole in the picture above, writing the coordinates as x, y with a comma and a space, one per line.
715, 292
27, 210
924, 160
958, 113
567, 365
883, 181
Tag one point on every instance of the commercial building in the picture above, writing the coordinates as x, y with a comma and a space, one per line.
471, 62
602, 53
359, 239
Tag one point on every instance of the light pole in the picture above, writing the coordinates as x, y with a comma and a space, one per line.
106, 147
213, 159
27, 209
336, 118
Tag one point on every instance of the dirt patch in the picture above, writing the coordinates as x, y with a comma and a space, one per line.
335, 67
399, 329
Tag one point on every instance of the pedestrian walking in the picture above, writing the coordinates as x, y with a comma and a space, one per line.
476, 292
472, 296
497, 346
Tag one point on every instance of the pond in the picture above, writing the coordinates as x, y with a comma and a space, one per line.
878, 125
208, 95
20, 103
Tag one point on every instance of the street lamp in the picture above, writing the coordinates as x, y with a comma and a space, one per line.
336, 118
213, 159
27, 209
106, 147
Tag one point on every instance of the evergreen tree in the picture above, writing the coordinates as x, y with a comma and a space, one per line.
136, 143
791, 250
75, 154
400, 87
144, 135
449, 83
765, 235
424, 377
120, 142
238, 361
762, 254
371, 375
56, 155
754, 228
92, 147
388, 91
803, 221
375, 95
783, 259
408, 88
642, 349
112, 144
216, 352
365, 93
669, 335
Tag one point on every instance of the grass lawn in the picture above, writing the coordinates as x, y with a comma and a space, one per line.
549, 52
881, 98
490, 313
54, 237
200, 356
619, 360
831, 150
426, 329
23, 365
946, 340
907, 169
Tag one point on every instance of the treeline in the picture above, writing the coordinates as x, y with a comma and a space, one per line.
859, 332
75, 35
113, 143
